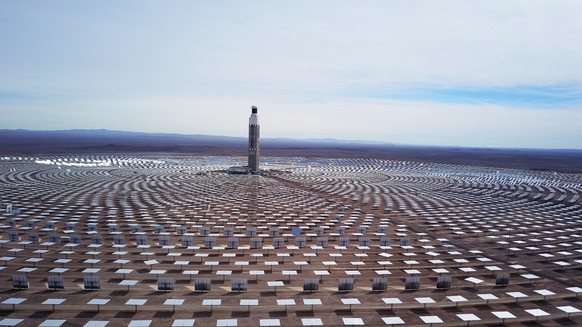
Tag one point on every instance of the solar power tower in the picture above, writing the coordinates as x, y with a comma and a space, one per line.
254, 140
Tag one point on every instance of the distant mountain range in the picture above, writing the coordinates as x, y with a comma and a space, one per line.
104, 134
101, 140
79, 141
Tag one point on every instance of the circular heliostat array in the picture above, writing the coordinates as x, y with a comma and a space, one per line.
176, 241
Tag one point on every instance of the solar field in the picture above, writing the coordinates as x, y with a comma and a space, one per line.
151, 240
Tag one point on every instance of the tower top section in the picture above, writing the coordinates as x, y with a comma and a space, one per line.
254, 119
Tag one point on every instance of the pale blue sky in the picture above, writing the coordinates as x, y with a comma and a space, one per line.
465, 73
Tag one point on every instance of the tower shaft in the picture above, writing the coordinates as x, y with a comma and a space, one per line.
254, 140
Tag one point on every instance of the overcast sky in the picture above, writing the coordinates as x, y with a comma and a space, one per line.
464, 73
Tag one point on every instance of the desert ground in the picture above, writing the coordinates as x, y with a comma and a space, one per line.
130, 229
